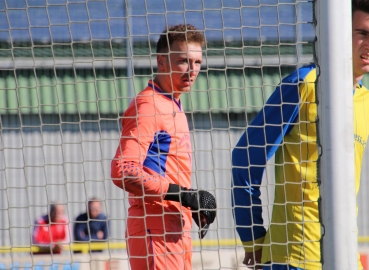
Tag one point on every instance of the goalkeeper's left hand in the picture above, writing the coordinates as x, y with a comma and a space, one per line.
207, 212
201, 202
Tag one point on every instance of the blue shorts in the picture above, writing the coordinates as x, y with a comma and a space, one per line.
281, 267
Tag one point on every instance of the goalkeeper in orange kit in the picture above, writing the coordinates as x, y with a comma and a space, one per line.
154, 159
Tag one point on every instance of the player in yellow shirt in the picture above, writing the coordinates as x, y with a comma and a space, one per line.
286, 127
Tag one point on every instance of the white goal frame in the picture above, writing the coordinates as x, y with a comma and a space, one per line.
337, 174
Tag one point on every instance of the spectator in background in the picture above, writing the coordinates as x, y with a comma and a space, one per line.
93, 225
51, 231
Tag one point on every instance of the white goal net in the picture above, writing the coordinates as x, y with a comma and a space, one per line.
69, 69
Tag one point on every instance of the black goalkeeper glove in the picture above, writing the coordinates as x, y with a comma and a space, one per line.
201, 202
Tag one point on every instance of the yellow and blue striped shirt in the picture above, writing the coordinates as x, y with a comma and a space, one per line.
287, 127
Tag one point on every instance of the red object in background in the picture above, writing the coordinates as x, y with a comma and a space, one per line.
364, 261
112, 265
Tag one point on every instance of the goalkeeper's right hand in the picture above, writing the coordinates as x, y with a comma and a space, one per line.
201, 202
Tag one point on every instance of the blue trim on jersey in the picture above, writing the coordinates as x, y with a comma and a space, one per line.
256, 146
281, 267
168, 95
157, 153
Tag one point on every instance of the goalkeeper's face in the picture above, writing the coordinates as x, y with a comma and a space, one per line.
179, 68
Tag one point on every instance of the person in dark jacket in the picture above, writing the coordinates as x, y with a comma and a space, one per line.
92, 226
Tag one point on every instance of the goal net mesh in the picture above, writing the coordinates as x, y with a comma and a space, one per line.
69, 70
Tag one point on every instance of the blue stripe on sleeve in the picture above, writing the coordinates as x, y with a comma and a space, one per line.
157, 153
256, 146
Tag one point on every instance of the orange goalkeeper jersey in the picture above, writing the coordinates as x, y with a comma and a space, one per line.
154, 150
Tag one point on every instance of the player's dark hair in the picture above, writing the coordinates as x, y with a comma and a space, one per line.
53, 206
360, 5
180, 33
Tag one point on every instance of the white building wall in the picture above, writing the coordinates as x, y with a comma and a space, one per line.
51, 164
